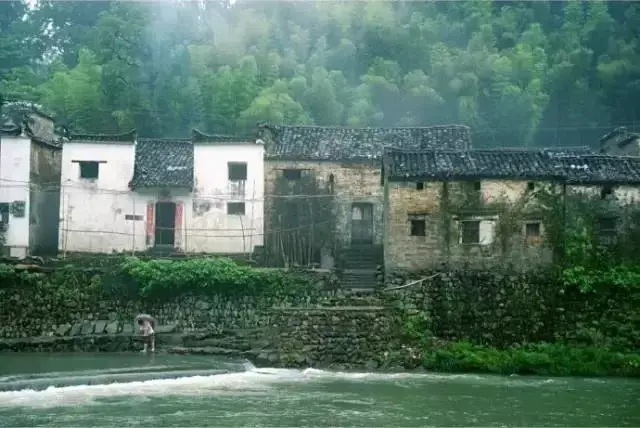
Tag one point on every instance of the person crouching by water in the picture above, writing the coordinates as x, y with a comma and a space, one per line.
148, 335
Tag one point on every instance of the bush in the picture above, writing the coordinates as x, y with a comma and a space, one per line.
533, 359
165, 279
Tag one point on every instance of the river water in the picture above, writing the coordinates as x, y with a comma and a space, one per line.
100, 390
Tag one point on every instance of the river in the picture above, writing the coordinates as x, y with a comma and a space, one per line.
100, 390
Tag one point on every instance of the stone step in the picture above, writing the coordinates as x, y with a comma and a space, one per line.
359, 279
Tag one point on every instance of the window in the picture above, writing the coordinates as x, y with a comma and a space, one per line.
470, 231
606, 191
89, 169
606, 230
477, 186
292, 174
532, 229
332, 183
134, 217
419, 185
237, 171
235, 208
418, 227
531, 186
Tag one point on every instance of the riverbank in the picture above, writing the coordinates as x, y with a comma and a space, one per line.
457, 320
541, 359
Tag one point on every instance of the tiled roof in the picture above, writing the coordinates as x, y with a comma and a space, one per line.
163, 163
200, 137
552, 151
600, 169
468, 164
334, 143
126, 137
540, 164
13, 131
618, 137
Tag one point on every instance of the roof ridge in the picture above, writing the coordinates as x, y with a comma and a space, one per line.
125, 136
272, 125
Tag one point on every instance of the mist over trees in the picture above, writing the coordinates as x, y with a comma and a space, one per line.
519, 73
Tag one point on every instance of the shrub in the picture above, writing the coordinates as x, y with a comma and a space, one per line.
533, 359
164, 279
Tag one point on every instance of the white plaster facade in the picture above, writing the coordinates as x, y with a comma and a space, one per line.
102, 215
93, 211
15, 167
212, 229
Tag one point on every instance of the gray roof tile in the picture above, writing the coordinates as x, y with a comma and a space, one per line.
343, 144
542, 164
163, 163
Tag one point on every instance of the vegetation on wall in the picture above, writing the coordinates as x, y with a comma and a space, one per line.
502, 321
524, 73
302, 221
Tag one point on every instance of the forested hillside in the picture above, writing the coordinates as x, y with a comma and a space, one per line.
518, 73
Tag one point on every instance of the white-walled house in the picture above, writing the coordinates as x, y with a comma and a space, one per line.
29, 182
120, 193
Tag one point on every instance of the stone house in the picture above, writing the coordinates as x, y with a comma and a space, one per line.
198, 195
484, 206
324, 202
30, 155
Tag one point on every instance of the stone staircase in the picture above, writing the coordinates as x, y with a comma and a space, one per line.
359, 267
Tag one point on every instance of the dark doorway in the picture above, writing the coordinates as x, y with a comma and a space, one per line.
165, 224
362, 223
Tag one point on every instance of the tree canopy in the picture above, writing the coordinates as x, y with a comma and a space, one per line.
518, 73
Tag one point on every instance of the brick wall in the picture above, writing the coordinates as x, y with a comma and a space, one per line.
352, 183
441, 206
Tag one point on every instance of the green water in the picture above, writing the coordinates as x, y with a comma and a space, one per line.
82, 390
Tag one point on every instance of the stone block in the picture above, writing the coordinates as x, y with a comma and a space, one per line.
100, 326
87, 328
63, 330
111, 328
75, 329
167, 328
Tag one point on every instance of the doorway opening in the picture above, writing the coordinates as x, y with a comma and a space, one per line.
362, 223
165, 224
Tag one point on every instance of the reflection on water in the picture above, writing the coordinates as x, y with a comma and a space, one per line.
164, 390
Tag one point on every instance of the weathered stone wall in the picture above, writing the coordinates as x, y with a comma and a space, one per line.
492, 307
503, 308
350, 183
500, 206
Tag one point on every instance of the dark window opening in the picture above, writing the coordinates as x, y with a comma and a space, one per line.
531, 186
332, 183
470, 232
607, 231
606, 191
235, 208
89, 169
237, 171
419, 185
292, 174
532, 230
418, 228
477, 186
134, 217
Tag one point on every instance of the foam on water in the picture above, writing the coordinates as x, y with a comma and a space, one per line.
252, 380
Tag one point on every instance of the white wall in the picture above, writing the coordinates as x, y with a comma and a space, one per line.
14, 186
209, 228
92, 212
